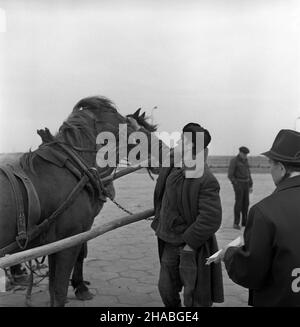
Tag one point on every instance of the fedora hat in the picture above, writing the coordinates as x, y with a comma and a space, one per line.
286, 147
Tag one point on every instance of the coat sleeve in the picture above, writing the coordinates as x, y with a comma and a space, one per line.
249, 265
250, 177
209, 216
231, 170
158, 194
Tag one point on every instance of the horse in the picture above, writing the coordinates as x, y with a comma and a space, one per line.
78, 283
55, 191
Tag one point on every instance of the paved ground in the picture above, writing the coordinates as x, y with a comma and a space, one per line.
123, 265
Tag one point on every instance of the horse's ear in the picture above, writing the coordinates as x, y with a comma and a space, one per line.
137, 113
143, 115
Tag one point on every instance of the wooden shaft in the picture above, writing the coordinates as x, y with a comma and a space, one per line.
120, 173
124, 172
40, 251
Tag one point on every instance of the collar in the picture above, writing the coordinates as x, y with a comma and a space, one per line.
288, 183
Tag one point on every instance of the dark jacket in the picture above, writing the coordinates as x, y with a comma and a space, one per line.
267, 261
202, 214
239, 171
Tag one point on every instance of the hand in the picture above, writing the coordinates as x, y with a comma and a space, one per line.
187, 248
133, 123
218, 258
221, 256
251, 189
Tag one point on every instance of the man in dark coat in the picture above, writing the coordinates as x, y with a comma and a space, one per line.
187, 215
269, 261
240, 177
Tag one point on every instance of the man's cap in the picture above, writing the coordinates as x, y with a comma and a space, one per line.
244, 149
286, 147
194, 128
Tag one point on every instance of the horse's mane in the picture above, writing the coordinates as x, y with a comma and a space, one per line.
95, 103
76, 130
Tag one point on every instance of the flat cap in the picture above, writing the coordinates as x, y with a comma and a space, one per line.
244, 149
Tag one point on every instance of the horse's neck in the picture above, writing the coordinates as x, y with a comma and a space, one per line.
88, 156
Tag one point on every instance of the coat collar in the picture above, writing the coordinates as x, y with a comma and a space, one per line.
241, 159
288, 183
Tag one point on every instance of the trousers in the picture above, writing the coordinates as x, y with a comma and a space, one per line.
178, 270
241, 190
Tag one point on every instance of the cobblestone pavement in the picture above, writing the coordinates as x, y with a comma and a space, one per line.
123, 266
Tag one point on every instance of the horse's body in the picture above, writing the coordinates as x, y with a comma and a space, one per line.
78, 283
53, 184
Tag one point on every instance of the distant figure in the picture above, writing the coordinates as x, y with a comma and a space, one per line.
269, 262
240, 177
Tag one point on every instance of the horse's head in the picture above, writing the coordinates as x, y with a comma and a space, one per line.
102, 116
141, 121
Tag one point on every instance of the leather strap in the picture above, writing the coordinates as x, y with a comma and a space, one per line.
44, 226
91, 173
34, 207
21, 238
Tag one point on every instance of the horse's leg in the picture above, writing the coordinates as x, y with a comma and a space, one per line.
77, 276
81, 290
64, 263
51, 263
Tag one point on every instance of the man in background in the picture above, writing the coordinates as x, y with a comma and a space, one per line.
240, 177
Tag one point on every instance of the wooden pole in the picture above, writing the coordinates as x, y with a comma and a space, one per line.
125, 171
120, 173
23, 256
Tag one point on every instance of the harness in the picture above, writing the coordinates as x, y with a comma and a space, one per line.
16, 175
62, 155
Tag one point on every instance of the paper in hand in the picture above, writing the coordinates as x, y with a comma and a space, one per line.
236, 242
213, 257
216, 256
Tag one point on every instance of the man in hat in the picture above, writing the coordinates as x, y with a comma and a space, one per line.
268, 264
187, 215
240, 177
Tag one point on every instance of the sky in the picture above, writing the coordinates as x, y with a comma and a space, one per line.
231, 65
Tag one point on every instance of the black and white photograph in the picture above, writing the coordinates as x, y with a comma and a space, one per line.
150, 156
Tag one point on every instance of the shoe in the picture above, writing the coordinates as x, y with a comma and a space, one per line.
236, 226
